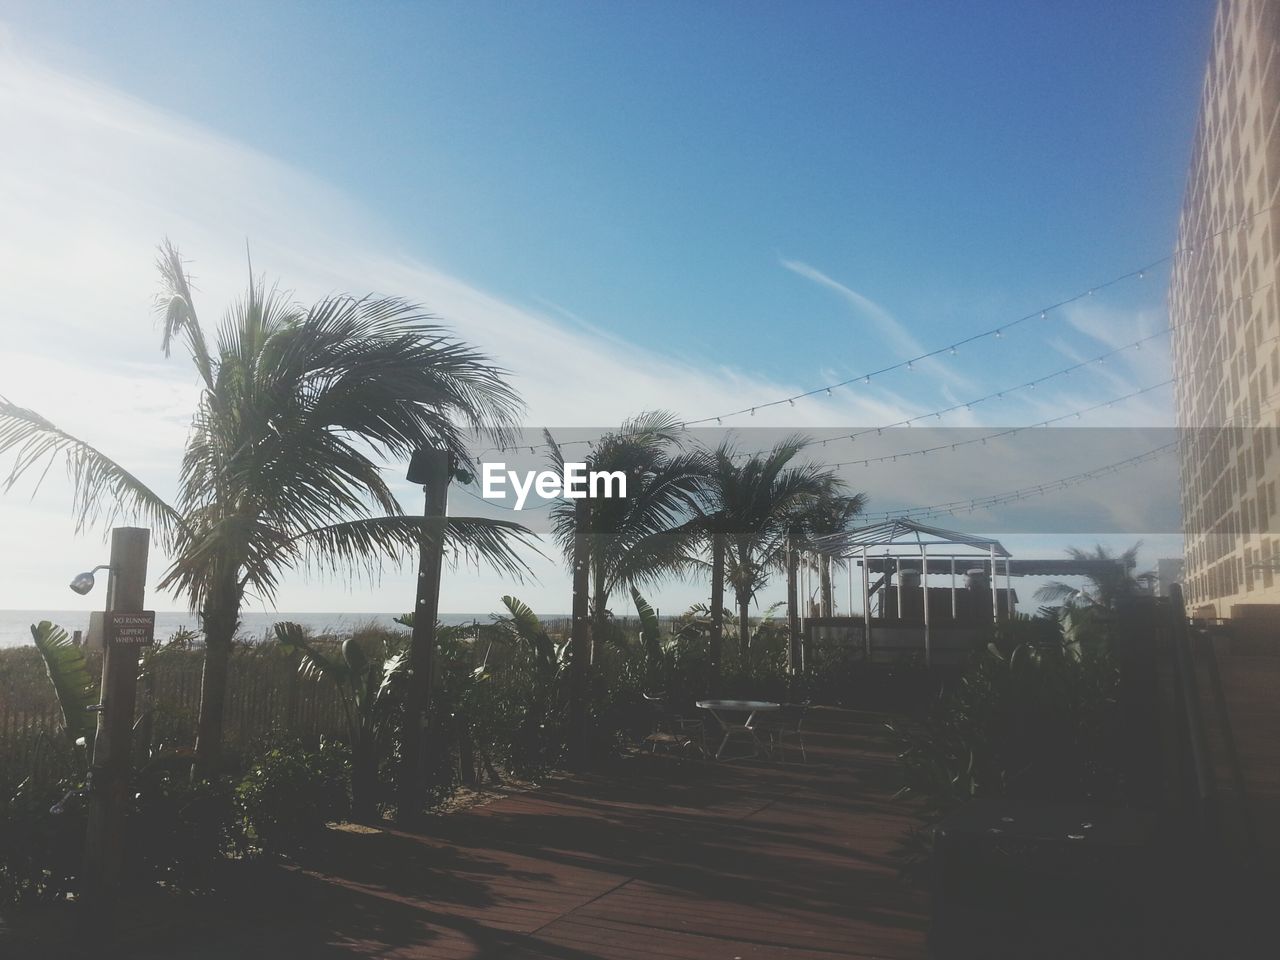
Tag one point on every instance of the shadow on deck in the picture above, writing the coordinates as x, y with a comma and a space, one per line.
653, 858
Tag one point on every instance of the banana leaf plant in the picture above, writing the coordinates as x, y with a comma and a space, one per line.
369, 688
73, 684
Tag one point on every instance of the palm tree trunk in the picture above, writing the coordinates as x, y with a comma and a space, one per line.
220, 619
826, 585
744, 627
579, 648
599, 617
715, 643
793, 609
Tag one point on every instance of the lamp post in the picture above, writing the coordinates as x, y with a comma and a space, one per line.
431, 468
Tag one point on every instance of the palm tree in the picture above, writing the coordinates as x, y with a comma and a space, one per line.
297, 405
1111, 579
832, 515
745, 508
643, 537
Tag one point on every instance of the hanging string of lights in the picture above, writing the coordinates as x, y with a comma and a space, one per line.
992, 333
995, 395
1006, 432
1025, 493
952, 348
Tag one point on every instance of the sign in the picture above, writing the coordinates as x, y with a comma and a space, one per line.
131, 629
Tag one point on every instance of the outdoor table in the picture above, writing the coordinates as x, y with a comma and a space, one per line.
750, 707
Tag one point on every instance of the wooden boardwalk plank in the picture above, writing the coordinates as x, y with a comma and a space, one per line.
653, 858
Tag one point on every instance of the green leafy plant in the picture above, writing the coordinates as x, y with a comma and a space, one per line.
73, 684
369, 683
289, 793
1031, 717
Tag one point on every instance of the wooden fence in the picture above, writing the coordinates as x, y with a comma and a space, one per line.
266, 697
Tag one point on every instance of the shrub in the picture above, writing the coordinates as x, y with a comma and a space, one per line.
40, 851
180, 830
290, 793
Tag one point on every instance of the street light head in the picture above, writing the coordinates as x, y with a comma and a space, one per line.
83, 582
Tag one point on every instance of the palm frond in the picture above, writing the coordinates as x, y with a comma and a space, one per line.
370, 542
312, 661
176, 308
103, 491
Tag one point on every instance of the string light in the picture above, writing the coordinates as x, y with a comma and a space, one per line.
998, 332
956, 506
1006, 432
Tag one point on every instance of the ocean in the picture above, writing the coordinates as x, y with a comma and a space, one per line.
15, 625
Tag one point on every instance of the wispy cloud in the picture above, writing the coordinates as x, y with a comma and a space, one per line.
899, 339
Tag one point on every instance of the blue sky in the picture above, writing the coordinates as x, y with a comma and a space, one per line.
645, 166
756, 197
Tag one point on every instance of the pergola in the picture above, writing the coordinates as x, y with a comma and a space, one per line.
892, 544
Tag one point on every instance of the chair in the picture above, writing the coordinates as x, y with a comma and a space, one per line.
671, 730
786, 723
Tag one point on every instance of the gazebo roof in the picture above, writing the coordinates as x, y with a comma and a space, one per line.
900, 534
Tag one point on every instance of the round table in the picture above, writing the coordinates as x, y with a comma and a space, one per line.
750, 707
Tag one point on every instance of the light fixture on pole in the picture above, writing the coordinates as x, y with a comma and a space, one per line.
82, 583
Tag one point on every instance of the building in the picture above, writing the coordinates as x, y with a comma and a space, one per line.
1169, 571
1226, 326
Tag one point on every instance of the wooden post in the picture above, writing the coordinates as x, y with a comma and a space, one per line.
793, 607
431, 468
715, 643
108, 790
580, 636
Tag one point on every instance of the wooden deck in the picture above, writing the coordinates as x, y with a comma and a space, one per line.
658, 858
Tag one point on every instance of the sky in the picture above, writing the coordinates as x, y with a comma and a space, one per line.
699, 207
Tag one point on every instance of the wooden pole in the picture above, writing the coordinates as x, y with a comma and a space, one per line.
108, 785
924, 594
715, 643
432, 469
793, 607
580, 636
866, 604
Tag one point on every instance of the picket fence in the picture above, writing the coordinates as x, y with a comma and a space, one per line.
266, 697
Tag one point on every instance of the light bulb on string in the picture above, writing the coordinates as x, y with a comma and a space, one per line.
999, 334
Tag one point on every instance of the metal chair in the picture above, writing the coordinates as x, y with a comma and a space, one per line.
671, 730
786, 723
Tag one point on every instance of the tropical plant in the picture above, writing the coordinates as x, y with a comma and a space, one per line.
749, 507
830, 516
645, 536
288, 794
368, 683
297, 405
1111, 578
72, 683
1031, 718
